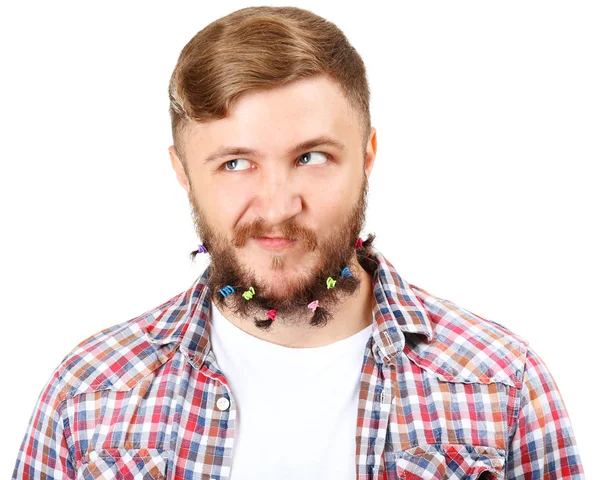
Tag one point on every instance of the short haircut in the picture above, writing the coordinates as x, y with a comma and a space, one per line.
260, 48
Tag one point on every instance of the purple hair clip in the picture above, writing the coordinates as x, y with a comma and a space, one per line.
202, 248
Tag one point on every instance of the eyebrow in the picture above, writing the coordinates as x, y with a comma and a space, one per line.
225, 151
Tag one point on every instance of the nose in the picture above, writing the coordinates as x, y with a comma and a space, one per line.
278, 198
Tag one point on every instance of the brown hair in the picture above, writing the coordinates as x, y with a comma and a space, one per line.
261, 47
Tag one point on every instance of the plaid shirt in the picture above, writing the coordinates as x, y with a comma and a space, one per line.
444, 393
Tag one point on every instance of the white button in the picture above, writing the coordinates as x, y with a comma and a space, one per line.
222, 403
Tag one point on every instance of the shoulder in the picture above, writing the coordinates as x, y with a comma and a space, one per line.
118, 357
467, 347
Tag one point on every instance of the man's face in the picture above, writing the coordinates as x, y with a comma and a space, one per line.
287, 162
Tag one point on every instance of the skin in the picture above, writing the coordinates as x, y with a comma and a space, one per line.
312, 195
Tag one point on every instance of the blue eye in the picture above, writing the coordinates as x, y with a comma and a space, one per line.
312, 156
233, 164
308, 158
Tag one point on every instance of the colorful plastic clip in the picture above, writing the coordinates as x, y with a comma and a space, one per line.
228, 290
248, 294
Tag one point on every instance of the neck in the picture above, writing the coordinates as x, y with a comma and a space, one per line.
350, 317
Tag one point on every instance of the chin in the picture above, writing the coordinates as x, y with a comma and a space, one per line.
279, 283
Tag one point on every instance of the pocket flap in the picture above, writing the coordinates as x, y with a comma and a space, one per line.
121, 464
450, 462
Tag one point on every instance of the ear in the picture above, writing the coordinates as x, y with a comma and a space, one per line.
177, 165
371, 152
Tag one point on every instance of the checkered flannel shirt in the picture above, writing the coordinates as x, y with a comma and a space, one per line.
444, 393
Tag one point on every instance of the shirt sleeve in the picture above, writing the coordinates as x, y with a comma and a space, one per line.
44, 451
543, 445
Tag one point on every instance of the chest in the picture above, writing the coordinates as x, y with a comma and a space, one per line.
183, 422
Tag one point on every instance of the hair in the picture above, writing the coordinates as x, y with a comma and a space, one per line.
260, 48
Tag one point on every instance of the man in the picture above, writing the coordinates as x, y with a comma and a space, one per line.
300, 352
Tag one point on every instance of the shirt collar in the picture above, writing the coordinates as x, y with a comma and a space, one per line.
397, 311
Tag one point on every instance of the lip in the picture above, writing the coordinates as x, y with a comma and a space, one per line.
274, 243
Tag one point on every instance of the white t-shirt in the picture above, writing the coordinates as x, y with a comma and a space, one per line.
296, 407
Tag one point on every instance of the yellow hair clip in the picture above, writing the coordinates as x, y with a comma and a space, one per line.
248, 294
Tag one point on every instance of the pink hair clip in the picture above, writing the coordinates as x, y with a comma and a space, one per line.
313, 305
359, 243
271, 314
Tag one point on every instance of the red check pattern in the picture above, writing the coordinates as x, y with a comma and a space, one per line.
444, 394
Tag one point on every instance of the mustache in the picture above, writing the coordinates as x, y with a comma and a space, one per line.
289, 230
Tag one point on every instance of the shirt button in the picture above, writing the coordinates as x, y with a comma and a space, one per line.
222, 403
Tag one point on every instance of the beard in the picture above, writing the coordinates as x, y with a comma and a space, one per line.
289, 297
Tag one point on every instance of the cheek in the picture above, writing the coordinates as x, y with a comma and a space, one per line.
342, 189
331, 204
222, 203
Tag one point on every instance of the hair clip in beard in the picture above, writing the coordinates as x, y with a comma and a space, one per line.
201, 249
266, 324
228, 290
248, 294
366, 261
320, 314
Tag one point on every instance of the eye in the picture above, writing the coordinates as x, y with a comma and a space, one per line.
235, 163
319, 157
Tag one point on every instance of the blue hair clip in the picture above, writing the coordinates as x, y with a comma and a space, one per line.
346, 272
228, 290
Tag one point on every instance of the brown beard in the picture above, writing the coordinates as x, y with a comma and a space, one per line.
336, 252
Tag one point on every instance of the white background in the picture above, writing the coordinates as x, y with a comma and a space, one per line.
484, 191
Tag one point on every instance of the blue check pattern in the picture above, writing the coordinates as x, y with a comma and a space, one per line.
444, 394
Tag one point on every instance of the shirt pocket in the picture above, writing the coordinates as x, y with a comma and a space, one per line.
120, 464
444, 461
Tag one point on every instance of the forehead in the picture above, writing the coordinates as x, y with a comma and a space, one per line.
270, 120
